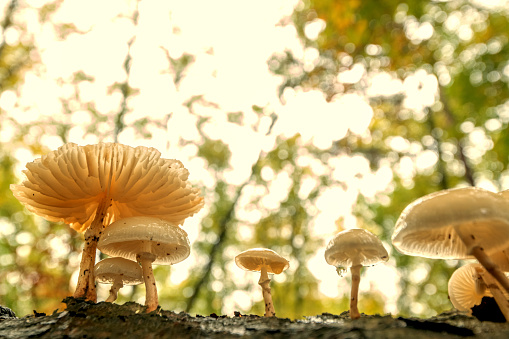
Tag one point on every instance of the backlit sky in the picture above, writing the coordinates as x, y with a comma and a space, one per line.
231, 42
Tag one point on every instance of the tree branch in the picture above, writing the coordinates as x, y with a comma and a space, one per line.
444, 181
469, 176
124, 87
223, 225
7, 22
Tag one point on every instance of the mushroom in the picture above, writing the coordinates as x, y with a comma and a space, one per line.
265, 261
149, 241
88, 187
117, 272
354, 248
463, 223
468, 285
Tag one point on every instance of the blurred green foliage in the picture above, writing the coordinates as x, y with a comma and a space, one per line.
464, 45
468, 60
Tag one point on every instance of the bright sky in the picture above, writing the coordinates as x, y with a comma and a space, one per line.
231, 42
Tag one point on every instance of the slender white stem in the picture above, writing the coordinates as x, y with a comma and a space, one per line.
264, 282
354, 295
151, 299
117, 284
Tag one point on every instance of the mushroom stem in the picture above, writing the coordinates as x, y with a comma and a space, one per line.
356, 278
491, 267
85, 287
151, 299
264, 282
499, 297
86, 280
481, 256
114, 290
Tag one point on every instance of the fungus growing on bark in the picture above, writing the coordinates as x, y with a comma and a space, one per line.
117, 272
148, 241
464, 223
265, 261
88, 187
355, 248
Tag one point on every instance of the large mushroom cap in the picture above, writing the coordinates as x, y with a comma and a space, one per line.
501, 259
109, 270
255, 258
355, 247
68, 185
129, 237
427, 226
462, 287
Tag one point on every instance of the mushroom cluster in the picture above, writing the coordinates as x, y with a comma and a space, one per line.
463, 223
130, 204
149, 241
89, 187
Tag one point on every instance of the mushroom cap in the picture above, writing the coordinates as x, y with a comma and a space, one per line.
68, 184
462, 290
355, 247
426, 227
108, 270
501, 259
254, 258
129, 237
504, 193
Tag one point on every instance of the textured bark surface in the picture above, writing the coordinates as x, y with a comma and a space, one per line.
105, 320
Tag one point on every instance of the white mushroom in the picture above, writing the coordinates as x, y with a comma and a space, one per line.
462, 223
88, 187
265, 261
466, 287
469, 284
117, 272
355, 248
148, 241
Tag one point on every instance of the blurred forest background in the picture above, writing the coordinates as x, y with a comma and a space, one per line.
373, 104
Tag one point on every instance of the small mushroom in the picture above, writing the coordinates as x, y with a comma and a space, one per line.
265, 261
355, 248
463, 223
117, 272
148, 241
468, 285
